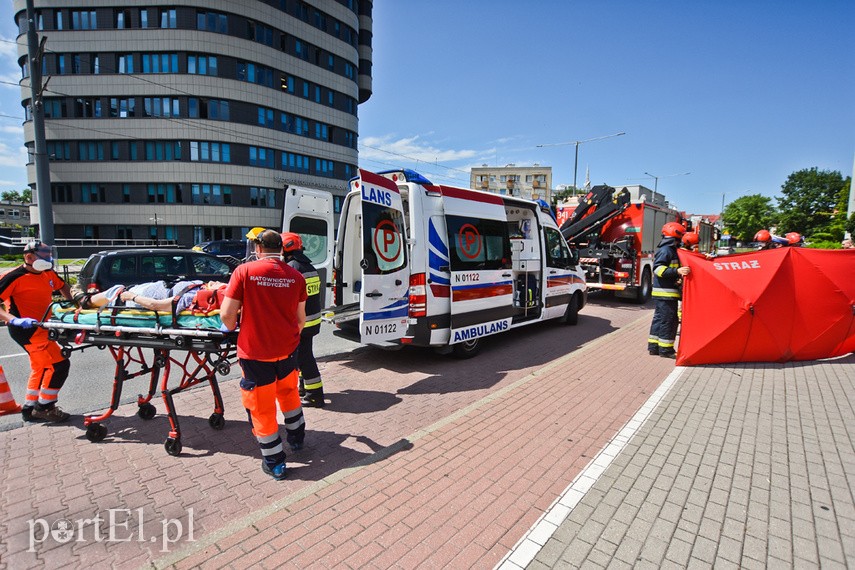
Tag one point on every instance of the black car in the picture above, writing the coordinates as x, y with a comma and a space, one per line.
134, 266
223, 248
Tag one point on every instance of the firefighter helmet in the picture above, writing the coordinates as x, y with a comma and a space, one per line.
673, 229
794, 238
691, 239
763, 235
291, 242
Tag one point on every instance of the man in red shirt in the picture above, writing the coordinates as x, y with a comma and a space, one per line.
271, 299
26, 293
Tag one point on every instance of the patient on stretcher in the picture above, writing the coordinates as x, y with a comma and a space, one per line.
196, 297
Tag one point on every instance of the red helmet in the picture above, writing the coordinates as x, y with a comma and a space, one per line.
673, 229
763, 235
291, 242
690, 239
794, 238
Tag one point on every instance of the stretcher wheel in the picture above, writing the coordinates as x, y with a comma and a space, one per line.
53, 334
160, 361
217, 421
180, 342
65, 352
146, 411
223, 368
96, 432
172, 446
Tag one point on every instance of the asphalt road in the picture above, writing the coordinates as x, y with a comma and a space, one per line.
90, 381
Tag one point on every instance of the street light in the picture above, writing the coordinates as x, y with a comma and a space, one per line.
656, 181
156, 236
576, 144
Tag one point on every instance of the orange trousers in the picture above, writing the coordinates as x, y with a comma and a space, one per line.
261, 403
48, 372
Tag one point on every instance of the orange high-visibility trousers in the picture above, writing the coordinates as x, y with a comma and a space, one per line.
48, 372
261, 403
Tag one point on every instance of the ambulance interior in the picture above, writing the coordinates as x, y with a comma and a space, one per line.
525, 260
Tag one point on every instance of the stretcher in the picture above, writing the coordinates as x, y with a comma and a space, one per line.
148, 343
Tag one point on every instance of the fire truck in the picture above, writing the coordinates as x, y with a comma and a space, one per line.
615, 234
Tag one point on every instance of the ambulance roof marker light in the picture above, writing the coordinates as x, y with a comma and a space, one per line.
409, 176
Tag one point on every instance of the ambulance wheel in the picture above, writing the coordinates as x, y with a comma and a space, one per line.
147, 411
642, 294
217, 421
571, 315
467, 349
172, 446
96, 432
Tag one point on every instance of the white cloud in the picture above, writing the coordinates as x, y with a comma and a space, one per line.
411, 148
10, 73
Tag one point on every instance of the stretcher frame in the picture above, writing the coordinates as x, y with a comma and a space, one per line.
199, 353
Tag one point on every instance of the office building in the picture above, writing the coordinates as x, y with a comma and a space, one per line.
185, 121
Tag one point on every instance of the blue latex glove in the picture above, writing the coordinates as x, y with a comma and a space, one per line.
224, 328
23, 322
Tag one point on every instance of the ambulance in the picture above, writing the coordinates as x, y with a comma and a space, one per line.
420, 264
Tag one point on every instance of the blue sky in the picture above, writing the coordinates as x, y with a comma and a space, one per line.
739, 93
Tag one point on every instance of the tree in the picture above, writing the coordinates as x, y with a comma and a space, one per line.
809, 202
11, 196
27, 196
747, 214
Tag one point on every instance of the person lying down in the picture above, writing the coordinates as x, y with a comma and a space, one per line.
196, 297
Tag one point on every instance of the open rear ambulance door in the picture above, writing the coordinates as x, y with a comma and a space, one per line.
309, 213
384, 300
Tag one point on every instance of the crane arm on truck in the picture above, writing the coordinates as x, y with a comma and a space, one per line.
601, 204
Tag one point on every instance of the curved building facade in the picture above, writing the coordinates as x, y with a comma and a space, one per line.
184, 121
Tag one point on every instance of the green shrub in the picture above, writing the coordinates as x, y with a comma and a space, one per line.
823, 244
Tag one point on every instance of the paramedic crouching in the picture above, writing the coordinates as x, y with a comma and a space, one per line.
271, 299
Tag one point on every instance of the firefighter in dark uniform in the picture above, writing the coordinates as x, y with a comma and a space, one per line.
667, 273
311, 386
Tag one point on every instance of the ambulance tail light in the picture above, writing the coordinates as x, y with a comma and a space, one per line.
418, 295
621, 275
334, 287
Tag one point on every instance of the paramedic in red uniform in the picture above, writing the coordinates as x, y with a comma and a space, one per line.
271, 299
311, 385
26, 293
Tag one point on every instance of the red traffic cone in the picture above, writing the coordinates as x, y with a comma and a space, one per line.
7, 402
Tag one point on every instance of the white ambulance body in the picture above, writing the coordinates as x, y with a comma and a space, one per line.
429, 265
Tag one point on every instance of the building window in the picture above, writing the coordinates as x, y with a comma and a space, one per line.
83, 20
90, 232
126, 193
211, 194
203, 151
324, 167
162, 150
262, 197
61, 193
202, 65
260, 156
124, 232
160, 107
59, 150
168, 18
126, 63
212, 22
294, 162
91, 193
301, 126
160, 63
254, 73
122, 107
163, 194
265, 117
322, 132
90, 150
123, 19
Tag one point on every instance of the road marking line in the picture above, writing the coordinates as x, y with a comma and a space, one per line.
243, 522
527, 548
14, 355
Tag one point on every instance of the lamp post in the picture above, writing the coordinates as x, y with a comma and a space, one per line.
156, 232
656, 181
576, 144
